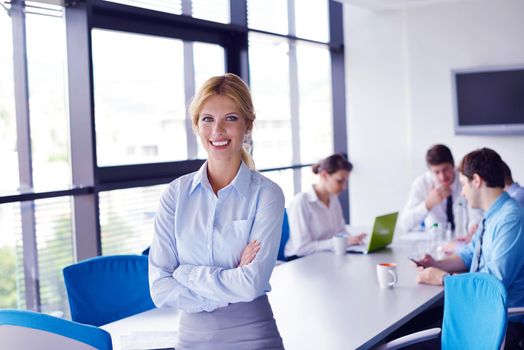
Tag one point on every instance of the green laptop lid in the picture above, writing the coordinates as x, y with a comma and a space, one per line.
383, 231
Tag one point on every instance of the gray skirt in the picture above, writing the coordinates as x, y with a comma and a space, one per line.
237, 326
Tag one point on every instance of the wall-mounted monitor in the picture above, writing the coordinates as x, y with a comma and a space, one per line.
489, 101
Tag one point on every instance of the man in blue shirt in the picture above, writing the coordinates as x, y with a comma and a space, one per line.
499, 241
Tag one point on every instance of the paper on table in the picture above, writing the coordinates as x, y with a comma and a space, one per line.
148, 340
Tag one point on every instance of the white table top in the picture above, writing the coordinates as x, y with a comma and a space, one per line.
323, 301
155, 328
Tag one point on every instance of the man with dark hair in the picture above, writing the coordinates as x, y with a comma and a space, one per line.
499, 241
434, 195
512, 187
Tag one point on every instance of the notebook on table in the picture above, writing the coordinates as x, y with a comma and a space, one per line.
380, 236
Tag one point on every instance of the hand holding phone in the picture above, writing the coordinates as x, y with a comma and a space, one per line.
415, 261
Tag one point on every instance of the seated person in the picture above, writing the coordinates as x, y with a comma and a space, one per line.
512, 187
433, 195
316, 216
498, 244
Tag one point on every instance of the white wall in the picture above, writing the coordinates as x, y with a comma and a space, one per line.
398, 66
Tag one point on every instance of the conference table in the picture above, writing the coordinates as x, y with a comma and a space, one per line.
325, 301
322, 301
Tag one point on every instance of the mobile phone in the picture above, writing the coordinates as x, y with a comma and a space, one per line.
415, 261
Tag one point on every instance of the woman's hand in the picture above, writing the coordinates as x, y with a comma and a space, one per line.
249, 253
352, 240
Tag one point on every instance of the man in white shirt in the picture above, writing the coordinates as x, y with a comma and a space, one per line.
513, 188
435, 196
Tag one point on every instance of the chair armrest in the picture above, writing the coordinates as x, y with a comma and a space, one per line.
410, 339
512, 311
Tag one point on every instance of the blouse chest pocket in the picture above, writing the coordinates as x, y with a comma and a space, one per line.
238, 229
234, 238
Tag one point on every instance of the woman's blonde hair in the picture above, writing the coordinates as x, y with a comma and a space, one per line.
229, 85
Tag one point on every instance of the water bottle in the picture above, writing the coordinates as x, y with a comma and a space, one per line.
458, 210
434, 237
448, 236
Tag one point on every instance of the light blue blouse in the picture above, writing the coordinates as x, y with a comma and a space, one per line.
199, 238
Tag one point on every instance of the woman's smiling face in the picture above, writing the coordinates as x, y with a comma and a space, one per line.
221, 128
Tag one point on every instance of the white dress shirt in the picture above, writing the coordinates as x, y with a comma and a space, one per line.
199, 238
312, 224
516, 191
415, 211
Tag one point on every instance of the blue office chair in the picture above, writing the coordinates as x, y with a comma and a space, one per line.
146, 251
284, 238
107, 288
475, 315
20, 329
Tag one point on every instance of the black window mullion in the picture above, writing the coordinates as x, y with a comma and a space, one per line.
338, 88
237, 60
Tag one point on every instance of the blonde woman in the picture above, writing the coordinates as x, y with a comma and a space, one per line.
217, 232
315, 216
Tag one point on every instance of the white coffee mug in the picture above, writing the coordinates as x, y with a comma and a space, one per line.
387, 275
339, 243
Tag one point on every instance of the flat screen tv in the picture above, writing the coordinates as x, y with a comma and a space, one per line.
489, 101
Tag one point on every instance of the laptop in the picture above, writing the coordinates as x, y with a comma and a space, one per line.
380, 236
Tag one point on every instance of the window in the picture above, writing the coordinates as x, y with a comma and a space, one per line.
46, 55
54, 251
284, 178
209, 61
315, 101
291, 128
127, 218
139, 98
268, 15
174, 7
269, 72
11, 267
312, 20
211, 10
53, 226
8, 147
308, 178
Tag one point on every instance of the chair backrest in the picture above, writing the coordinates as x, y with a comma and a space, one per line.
107, 288
284, 238
20, 329
475, 312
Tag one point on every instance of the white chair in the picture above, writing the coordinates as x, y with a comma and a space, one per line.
22, 330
